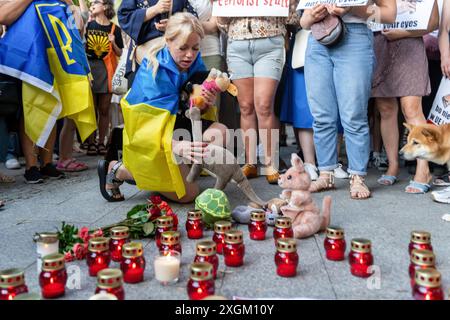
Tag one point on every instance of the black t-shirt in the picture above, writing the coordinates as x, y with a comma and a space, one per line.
97, 40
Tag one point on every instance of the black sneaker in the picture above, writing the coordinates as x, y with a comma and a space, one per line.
50, 171
33, 176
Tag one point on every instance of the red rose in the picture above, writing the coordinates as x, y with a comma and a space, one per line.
98, 233
68, 257
79, 251
154, 213
155, 199
84, 234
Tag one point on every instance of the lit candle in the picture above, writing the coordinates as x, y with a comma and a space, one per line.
201, 283
133, 263
360, 257
46, 243
103, 296
110, 281
206, 252
167, 267
283, 228
420, 240
194, 225
286, 258
12, 284
335, 244
170, 240
234, 249
420, 259
163, 224
257, 226
53, 276
220, 227
119, 236
428, 285
99, 256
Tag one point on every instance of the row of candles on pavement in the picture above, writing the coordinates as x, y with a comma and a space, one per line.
425, 279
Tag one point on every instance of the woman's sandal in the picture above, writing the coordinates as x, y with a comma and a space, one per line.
71, 165
92, 150
323, 183
101, 149
357, 187
387, 180
442, 181
113, 194
422, 187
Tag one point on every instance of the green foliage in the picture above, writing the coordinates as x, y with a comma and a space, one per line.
68, 237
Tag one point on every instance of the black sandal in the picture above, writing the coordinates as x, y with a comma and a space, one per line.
112, 195
92, 150
101, 149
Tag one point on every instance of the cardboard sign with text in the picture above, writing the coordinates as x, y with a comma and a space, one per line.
250, 8
308, 4
440, 111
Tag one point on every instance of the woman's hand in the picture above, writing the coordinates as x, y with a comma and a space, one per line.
193, 151
395, 34
318, 12
161, 25
445, 66
163, 6
405, 6
337, 11
210, 98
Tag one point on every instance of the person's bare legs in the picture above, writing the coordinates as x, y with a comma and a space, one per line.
66, 140
46, 154
104, 116
29, 149
306, 139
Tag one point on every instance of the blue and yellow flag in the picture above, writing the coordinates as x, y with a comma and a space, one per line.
43, 48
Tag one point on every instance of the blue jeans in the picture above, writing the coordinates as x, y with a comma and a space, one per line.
338, 83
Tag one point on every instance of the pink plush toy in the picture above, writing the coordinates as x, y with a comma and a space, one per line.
305, 215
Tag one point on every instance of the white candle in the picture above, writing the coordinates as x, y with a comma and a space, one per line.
103, 296
46, 243
167, 268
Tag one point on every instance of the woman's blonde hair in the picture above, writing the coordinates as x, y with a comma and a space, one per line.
181, 24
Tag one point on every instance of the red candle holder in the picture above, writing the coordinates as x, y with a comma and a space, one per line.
194, 225
361, 258
110, 281
133, 263
258, 226
234, 249
12, 284
428, 285
53, 276
99, 256
420, 259
170, 240
334, 244
201, 283
286, 258
420, 240
283, 228
163, 224
206, 252
119, 236
220, 227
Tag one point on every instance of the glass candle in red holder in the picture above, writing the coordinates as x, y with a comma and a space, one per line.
194, 224
133, 262
12, 284
334, 244
258, 225
110, 281
201, 283
420, 240
428, 285
234, 249
170, 240
119, 236
206, 252
283, 228
53, 276
220, 227
163, 224
361, 258
286, 258
98, 257
420, 259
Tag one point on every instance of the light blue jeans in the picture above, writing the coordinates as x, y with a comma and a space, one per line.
338, 83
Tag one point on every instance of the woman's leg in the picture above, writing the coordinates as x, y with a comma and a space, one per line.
46, 154
28, 147
192, 189
104, 118
66, 140
306, 139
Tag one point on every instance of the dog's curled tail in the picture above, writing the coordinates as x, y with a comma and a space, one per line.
326, 212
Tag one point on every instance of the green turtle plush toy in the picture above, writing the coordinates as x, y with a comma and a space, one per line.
214, 206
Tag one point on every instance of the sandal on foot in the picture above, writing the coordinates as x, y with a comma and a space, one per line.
442, 181
323, 183
423, 187
387, 180
112, 195
357, 187
71, 165
6, 179
101, 149
92, 150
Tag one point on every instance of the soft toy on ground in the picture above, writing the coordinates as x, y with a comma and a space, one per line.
214, 206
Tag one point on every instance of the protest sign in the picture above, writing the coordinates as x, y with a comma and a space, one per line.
440, 111
308, 4
250, 8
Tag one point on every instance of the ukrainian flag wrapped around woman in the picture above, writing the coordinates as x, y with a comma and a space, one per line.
43, 48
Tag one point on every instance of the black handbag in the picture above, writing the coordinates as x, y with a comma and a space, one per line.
10, 95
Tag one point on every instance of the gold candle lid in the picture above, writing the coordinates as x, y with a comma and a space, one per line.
132, 250
12, 278
421, 237
283, 222
53, 262
206, 248
170, 237
120, 232
361, 245
46, 237
194, 215
201, 271
99, 244
222, 226
287, 245
424, 258
258, 216
234, 237
428, 277
335, 233
109, 278
164, 222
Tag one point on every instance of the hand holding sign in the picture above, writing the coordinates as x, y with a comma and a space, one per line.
337, 11
319, 12
163, 6
406, 6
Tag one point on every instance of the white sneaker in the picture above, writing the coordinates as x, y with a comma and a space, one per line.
341, 173
312, 171
12, 163
442, 196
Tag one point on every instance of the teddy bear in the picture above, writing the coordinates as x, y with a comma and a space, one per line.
300, 207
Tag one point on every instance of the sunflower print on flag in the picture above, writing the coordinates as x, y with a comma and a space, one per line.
99, 44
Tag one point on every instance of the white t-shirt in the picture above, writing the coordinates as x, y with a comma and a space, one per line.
210, 45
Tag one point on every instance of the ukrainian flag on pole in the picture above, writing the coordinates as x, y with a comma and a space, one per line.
43, 48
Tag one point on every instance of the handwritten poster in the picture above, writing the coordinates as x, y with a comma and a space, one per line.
250, 8
440, 111
308, 4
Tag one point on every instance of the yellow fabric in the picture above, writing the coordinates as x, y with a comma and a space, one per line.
210, 114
